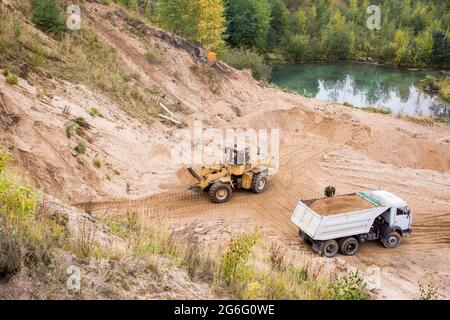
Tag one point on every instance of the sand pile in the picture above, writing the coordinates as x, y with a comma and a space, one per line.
339, 204
185, 177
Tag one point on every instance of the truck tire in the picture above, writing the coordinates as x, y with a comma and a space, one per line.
260, 183
392, 240
349, 246
329, 248
220, 192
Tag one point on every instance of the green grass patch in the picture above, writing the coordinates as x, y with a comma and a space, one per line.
12, 79
94, 112
97, 163
80, 147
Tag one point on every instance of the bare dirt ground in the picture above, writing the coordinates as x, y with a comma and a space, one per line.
321, 144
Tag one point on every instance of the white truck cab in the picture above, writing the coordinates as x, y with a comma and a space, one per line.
344, 222
399, 214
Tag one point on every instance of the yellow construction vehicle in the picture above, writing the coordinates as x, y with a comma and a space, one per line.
238, 172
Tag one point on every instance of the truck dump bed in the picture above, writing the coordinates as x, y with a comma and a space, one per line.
337, 217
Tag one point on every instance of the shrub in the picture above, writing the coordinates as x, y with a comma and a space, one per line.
25, 236
428, 292
47, 16
350, 287
93, 112
80, 148
236, 256
277, 257
16, 201
69, 128
81, 122
246, 59
10, 251
348, 104
381, 110
86, 243
4, 158
388, 52
298, 48
12, 79
97, 163
152, 56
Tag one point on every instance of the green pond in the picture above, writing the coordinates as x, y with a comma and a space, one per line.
361, 85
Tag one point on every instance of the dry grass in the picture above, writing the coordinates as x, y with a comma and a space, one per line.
244, 269
208, 76
85, 243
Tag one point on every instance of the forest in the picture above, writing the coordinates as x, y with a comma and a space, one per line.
413, 33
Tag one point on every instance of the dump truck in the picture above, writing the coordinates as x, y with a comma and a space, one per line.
238, 172
342, 223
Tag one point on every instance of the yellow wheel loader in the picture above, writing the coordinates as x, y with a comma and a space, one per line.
238, 172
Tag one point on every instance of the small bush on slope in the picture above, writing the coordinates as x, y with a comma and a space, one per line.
350, 287
246, 59
47, 16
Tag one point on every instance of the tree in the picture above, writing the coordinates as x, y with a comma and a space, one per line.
297, 49
424, 48
179, 16
211, 23
337, 39
279, 23
441, 47
198, 20
248, 22
402, 41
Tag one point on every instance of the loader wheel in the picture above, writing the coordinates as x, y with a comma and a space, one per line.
220, 192
260, 184
330, 248
349, 246
392, 240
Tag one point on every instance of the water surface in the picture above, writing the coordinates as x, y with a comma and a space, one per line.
361, 85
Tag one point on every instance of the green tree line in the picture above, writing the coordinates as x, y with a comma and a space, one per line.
411, 33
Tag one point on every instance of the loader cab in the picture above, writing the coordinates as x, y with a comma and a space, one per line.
237, 157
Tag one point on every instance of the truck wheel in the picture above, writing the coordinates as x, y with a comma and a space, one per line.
392, 240
349, 246
220, 192
260, 183
330, 248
